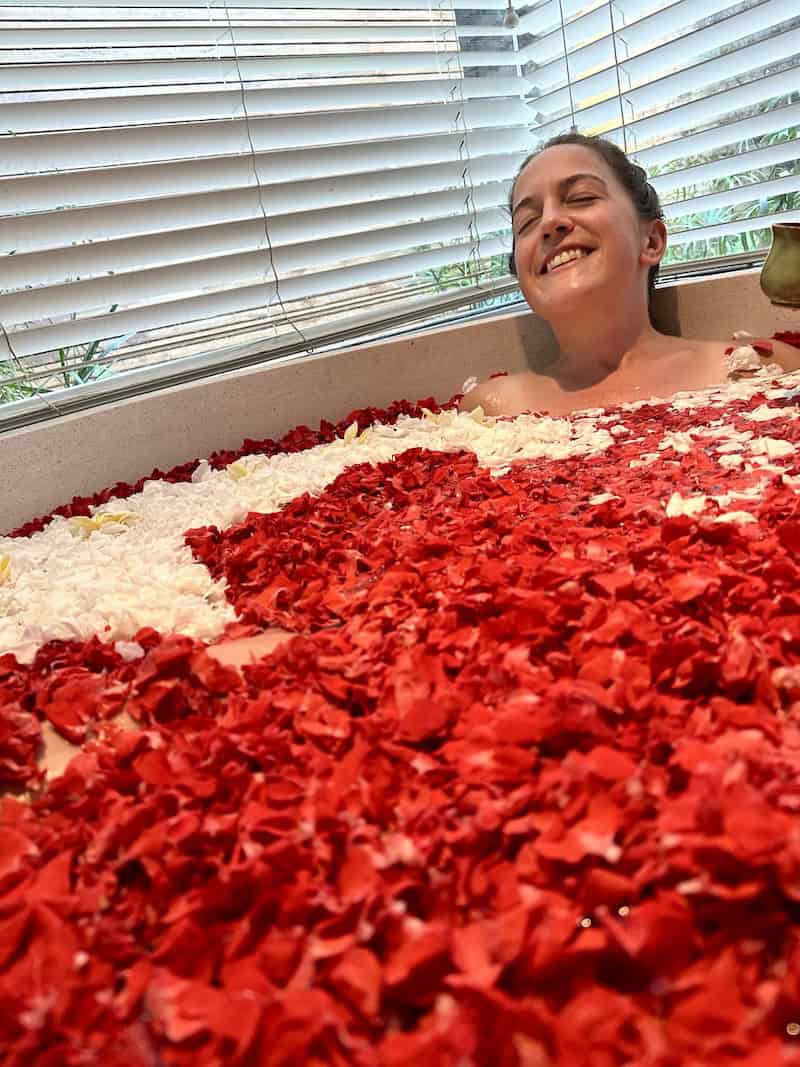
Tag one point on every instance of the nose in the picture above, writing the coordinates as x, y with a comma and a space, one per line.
555, 221
555, 227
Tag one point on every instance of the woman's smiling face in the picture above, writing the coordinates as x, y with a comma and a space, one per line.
578, 234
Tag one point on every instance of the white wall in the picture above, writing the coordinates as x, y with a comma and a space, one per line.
46, 465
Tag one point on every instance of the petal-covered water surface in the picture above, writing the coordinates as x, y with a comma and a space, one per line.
522, 791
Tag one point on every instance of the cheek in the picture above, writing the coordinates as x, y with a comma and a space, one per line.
526, 271
522, 253
526, 257
625, 236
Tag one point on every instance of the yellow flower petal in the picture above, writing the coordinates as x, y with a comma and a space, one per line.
5, 568
82, 525
119, 518
237, 470
85, 526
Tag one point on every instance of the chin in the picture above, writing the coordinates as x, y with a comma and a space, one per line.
568, 300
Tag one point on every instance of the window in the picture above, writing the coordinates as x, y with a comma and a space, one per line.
182, 180
186, 188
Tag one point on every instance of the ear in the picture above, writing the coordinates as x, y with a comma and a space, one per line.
654, 243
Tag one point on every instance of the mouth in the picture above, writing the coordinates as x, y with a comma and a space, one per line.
564, 258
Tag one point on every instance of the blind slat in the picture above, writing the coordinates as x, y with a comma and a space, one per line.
216, 8
146, 73
724, 229
75, 112
91, 42
730, 197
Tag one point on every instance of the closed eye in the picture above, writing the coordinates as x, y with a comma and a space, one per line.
528, 222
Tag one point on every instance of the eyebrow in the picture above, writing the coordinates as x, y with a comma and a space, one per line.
564, 184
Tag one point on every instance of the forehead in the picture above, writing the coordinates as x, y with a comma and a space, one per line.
554, 164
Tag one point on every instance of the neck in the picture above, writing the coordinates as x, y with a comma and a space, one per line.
590, 349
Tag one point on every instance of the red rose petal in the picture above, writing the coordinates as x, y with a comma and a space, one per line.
523, 793
357, 977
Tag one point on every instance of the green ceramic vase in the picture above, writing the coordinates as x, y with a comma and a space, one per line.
780, 276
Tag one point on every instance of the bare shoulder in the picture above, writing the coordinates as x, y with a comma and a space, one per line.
785, 355
500, 396
698, 364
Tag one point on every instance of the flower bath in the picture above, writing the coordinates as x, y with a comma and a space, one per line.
522, 791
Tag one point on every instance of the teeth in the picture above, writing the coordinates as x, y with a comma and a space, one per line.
565, 257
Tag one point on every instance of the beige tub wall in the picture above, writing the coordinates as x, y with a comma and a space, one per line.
46, 465
714, 307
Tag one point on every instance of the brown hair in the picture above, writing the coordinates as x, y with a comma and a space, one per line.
632, 177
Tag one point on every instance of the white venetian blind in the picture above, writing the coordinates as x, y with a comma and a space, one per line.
706, 97
184, 177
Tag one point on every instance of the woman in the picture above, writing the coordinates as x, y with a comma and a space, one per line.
588, 239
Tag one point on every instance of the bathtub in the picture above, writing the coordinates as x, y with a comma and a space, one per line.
45, 465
